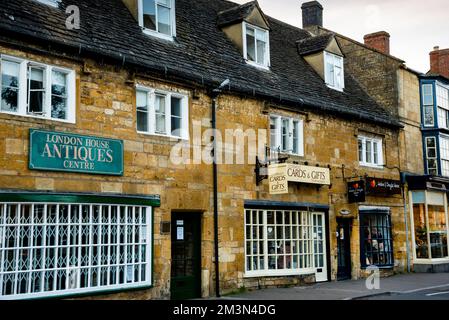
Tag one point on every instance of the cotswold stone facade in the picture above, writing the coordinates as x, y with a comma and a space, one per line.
309, 218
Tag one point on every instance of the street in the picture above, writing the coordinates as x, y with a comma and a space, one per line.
414, 286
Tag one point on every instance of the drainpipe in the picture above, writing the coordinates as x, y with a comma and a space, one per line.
404, 196
214, 95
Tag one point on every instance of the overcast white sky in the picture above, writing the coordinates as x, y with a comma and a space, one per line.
415, 26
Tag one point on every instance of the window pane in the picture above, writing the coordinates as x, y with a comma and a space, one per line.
375, 154
59, 95
250, 44
360, 150
36, 90
437, 231
368, 152
428, 115
376, 238
285, 134
261, 52
330, 80
421, 241
142, 111
160, 114
176, 122
149, 14
295, 137
10, 85
164, 20
427, 94
273, 133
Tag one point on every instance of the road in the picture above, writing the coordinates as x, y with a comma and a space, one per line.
426, 294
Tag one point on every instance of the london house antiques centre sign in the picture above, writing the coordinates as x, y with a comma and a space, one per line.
58, 151
280, 174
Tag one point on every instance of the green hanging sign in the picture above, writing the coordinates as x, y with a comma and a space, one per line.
60, 151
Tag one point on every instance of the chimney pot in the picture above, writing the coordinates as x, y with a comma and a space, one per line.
312, 14
436, 48
379, 41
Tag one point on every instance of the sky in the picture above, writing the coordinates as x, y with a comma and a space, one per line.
415, 26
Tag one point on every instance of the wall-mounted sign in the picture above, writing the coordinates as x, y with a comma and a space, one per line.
356, 191
280, 174
58, 151
382, 186
345, 212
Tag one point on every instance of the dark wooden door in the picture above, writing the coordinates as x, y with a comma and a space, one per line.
186, 256
343, 249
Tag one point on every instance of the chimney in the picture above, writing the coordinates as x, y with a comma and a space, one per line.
439, 62
312, 14
379, 41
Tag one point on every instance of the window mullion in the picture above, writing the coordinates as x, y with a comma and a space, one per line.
168, 114
89, 267
80, 226
44, 248
109, 246
69, 248
152, 111
23, 85
46, 108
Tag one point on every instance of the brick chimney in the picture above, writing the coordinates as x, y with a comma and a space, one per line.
439, 62
379, 41
312, 14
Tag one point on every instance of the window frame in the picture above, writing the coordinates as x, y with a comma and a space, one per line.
331, 56
383, 213
81, 202
444, 154
426, 105
278, 121
442, 102
426, 201
267, 59
156, 33
151, 121
431, 158
303, 241
380, 156
23, 91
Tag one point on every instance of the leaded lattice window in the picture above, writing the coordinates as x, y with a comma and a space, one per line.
60, 249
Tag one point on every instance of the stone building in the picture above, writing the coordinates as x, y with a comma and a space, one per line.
395, 87
102, 193
428, 192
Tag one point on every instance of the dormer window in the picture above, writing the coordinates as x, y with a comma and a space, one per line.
53, 3
334, 73
157, 17
256, 45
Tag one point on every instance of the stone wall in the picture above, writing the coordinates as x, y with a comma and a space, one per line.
106, 108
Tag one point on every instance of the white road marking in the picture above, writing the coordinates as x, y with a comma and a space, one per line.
436, 293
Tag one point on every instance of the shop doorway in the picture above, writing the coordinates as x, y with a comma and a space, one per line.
319, 243
343, 249
186, 256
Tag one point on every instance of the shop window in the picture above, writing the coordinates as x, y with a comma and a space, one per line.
33, 89
283, 242
162, 113
430, 225
431, 156
286, 135
370, 151
157, 18
428, 104
376, 242
55, 249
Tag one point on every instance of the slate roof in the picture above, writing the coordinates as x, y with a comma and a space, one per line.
314, 44
201, 52
235, 14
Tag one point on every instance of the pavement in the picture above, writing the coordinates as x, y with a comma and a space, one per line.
413, 286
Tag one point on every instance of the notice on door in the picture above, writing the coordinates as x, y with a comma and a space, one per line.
180, 233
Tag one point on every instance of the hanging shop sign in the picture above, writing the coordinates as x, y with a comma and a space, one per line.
60, 151
382, 186
356, 191
280, 174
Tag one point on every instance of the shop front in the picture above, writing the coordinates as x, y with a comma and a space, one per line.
428, 218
